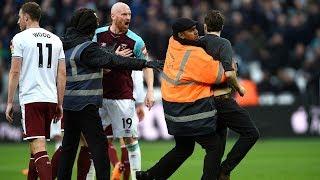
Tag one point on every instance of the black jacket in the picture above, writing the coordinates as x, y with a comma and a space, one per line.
96, 57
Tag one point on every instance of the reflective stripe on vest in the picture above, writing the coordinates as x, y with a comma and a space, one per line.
73, 54
84, 84
176, 81
95, 92
193, 117
75, 77
84, 77
182, 66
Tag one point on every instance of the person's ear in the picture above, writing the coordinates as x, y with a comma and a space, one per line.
26, 17
205, 28
180, 35
112, 16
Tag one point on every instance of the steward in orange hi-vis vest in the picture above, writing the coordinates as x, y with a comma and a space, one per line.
188, 74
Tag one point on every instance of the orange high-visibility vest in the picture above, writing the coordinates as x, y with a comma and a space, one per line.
186, 81
189, 73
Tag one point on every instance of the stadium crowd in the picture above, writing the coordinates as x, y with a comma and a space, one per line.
276, 42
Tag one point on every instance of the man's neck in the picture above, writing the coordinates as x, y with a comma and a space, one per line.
214, 33
33, 25
115, 29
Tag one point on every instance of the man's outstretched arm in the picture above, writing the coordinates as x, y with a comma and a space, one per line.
94, 56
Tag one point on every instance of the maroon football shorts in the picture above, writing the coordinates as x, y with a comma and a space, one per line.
108, 131
36, 119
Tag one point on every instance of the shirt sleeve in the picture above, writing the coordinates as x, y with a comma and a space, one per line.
94, 39
226, 56
61, 53
140, 50
138, 90
16, 47
211, 51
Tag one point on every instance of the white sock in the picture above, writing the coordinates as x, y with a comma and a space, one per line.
134, 158
92, 172
58, 144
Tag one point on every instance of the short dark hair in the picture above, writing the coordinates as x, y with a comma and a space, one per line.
214, 21
85, 21
32, 9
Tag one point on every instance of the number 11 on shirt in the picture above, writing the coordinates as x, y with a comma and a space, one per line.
49, 46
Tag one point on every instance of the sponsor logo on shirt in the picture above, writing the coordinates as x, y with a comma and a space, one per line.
127, 131
123, 46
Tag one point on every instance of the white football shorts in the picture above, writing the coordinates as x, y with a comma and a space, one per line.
121, 114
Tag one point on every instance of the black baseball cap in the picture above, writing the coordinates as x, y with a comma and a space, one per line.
182, 24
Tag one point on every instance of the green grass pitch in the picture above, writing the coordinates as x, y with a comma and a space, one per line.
270, 159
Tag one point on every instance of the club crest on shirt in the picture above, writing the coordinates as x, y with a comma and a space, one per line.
123, 46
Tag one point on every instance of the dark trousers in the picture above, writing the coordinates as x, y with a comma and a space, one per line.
169, 163
231, 115
88, 122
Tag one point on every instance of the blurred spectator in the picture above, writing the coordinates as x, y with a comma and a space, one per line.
315, 43
280, 24
296, 31
297, 56
267, 85
251, 97
286, 82
242, 46
276, 54
273, 35
234, 26
313, 17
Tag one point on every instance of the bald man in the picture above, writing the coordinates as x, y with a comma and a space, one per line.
120, 108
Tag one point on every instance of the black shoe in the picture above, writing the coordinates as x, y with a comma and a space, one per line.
223, 176
143, 175
223, 173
